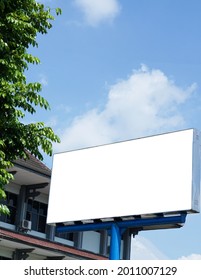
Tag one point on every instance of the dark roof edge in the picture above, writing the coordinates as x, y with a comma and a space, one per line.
49, 245
33, 164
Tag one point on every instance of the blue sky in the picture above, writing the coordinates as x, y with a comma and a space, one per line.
120, 69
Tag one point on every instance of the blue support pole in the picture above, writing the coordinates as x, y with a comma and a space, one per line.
115, 242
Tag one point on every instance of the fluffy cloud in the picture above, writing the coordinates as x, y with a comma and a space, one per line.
145, 103
43, 80
96, 11
143, 249
191, 257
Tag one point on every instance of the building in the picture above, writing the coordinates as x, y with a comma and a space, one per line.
24, 234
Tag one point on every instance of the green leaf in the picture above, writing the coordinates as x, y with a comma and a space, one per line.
4, 209
58, 11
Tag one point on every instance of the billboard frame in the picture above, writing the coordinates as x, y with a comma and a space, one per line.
116, 225
139, 168
117, 229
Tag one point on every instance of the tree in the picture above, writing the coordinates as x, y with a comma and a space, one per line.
20, 22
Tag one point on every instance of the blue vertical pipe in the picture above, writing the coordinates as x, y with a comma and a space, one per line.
115, 242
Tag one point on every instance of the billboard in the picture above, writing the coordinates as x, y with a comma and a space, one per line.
150, 175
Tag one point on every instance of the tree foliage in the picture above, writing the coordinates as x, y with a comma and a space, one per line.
20, 22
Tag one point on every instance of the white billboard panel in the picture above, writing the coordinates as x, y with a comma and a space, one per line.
158, 174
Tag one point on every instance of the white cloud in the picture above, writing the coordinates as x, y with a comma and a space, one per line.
143, 249
145, 103
191, 257
52, 122
97, 11
43, 80
64, 108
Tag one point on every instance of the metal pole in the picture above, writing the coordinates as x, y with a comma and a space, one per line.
127, 244
115, 242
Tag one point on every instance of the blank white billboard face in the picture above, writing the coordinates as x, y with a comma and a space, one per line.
158, 174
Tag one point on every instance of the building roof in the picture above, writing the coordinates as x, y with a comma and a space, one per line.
31, 172
33, 164
45, 247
